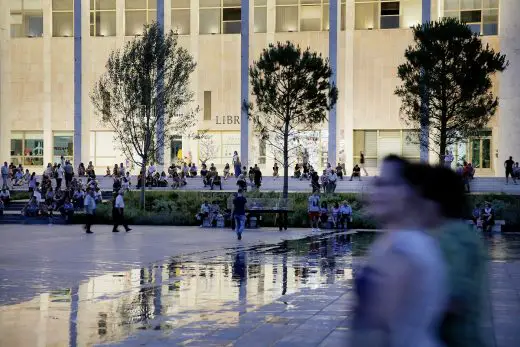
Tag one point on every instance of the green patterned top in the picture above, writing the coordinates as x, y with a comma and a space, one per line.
467, 265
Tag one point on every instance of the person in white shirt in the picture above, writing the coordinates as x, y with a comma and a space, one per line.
60, 175
448, 159
151, 169
118, 213
90, 210
314, 210
5, 196
37, 193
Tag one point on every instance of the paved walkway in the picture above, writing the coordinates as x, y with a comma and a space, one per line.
478, 185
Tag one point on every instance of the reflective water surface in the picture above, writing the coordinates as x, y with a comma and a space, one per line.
213, 290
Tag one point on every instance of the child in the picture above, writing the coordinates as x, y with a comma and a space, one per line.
335, 214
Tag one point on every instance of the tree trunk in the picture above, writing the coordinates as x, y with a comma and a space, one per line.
143, 182
442, 142
285, 194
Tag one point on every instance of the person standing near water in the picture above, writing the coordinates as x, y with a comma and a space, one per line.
239, 213
236, 164
118, 213
90, 210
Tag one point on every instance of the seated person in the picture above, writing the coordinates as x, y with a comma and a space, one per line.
475, 215
90, 169
214, 212
108, 173
49, 197
226, 171
339, 171
241, 181
116, 186
297, 171
193, 170
162, 181
216, 180
345, 215
356, 172
176, 180
31, 209
5, 196
125, 184
171, 170
98, 197
516, 171
204, 212
78, 198
67, 210
45, 210
18, 178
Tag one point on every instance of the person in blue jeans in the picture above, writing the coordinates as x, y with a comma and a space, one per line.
239, 212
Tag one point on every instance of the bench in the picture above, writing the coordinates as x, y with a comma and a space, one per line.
496, 228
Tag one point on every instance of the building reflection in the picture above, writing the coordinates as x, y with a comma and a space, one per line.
111, 307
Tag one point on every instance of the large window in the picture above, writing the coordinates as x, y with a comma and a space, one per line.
102, 148
302, 15
260, 16
387, 14
63, 18
219, 16
102, 17
181, 16
377, 144
480, 15
176, 154
137, 14
27, 148
63, 145
26, 18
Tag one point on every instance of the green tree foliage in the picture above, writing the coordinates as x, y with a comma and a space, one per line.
450, 64
293, 93
146, 83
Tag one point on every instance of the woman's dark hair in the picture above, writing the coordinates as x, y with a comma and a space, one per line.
438, 184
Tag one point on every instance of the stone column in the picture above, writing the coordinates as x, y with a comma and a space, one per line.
244, 81
48, 140
425, 129
348, 87
77, 82
160, 88
333, 56
5, 82
509, 96
191, 145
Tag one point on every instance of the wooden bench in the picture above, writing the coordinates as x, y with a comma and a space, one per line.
496, 228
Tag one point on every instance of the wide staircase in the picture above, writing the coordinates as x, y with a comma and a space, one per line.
13, 213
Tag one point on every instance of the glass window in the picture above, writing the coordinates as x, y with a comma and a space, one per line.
452, 14
310, 18
181, 4
471, 16
102, 18
260, 2
231, 20
260, 19
27, 18
102, 148
137, 14
470, 4
389, 15
63, 145
207, 105
343, 14
450, 5
62, 24
209, 3
181, 21
63, 5
411, 13
490, 4
286, 18
325, 17
490, 22
366, 16
176, 149
27, 148
209, 21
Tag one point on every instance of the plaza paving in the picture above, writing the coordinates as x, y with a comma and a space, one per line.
478, 185
165, 286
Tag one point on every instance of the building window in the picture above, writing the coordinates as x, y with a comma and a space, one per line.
302, 15
343, 14
377, 144
63, 145
387, 14
26, 18
480, 15
102, 18
181, 16
62, 18
102, 148
137, 14
207, 105
27, 148
287, 19
219, 16
260, 16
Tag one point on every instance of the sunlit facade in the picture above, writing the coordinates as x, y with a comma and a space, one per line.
53, 51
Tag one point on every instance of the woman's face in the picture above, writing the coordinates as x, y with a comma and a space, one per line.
390, 197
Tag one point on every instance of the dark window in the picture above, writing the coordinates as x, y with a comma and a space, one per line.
471, 16
390, 9
231, 14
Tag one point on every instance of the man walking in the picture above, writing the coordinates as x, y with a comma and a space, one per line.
118, 213
90, 210
5, 175
508, 164
239, 213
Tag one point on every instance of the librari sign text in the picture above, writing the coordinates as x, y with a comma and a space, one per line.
227, 119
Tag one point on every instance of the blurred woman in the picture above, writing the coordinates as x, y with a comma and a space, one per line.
402, 291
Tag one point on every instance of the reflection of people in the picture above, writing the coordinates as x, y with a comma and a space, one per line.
239, 274
239, 213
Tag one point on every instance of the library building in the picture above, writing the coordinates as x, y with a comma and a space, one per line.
53, 51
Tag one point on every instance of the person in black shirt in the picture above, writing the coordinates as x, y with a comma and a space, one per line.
508, 164
239, 213
257, 177
362, 162
356, 172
